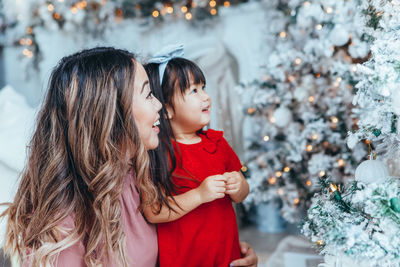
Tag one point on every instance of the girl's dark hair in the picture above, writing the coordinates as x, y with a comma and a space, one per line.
178, 74
161, 166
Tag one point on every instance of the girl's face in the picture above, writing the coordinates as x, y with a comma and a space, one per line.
191, 109
145, 108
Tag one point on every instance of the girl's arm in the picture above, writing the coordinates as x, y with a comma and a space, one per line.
236, 186
211, 188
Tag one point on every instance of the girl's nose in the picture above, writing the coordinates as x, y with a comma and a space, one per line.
206, 97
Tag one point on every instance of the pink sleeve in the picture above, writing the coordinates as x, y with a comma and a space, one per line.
72, 256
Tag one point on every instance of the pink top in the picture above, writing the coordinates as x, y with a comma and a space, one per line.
141, 237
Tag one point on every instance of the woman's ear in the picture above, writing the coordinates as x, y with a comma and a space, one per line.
170, 112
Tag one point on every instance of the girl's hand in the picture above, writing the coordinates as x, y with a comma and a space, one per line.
213, 187
236, 186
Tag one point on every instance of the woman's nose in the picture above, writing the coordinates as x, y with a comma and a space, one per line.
157, 104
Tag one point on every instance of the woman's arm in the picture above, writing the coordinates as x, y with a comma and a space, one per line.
211, 188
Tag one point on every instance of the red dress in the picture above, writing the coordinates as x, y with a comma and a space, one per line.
208, 235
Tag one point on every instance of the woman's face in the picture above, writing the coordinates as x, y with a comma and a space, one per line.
145, 108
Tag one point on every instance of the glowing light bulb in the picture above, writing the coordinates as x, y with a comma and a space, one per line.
308, 183
155, 13
329, 10
283, 35
213, 3
297, 61
213, 11
266, 138
318, 27
50, 7
188, 16
286, 169
309, 148
296, 201
278, 174
321, 174
184, 9
227, 4
272, 180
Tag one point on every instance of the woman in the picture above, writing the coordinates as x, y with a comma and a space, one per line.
78, 199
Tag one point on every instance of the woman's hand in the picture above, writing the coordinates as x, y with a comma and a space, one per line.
212, 187
249, 256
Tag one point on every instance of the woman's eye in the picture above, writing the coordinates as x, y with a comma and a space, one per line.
150, 95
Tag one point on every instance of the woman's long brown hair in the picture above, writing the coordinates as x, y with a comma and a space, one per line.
84, 144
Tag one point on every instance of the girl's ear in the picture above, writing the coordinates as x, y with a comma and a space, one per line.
170, 112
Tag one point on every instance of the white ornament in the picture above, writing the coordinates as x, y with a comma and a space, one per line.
372, 171
338, 36
282, 116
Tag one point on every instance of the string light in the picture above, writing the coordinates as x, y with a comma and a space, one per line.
29, 30
188, 16
311, 99
341, 162
272, 180
329, 10
291, 78
251, 110
318, 75
28, 41
297, 61
213, 11
227, 4
333, 188
325, 143
74, 10
308, 183
314, 137
318, 27
50, 7
212, 3
61, 1
354, 68
170, 10
272, 120
296, 201
244, 168
309, 148
27, 53
321, 173
56, 16
278, 174
22, 41
307, 3
266, 138
184, 9
155, 13
286, 169
334, 119
283, 34
280, 191
319, 242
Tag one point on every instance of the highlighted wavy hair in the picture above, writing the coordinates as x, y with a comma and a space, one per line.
84, 144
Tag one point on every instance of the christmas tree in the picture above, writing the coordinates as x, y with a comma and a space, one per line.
359, 224
299, 112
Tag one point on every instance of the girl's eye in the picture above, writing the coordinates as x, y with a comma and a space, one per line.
194, 91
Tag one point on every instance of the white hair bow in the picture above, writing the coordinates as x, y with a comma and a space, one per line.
164, 56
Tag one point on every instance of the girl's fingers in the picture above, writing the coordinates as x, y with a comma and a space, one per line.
220, 178
232, 186
232, 191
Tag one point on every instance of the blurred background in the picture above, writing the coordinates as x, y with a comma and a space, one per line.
281, 74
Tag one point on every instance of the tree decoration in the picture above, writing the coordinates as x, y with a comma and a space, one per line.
299, 112
94, 16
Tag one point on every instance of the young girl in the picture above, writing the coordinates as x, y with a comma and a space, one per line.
201, 229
